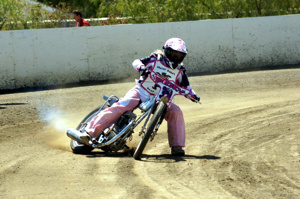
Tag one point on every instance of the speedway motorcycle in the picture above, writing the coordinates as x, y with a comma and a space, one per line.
151, 113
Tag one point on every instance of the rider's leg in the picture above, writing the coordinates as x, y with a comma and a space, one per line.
110, 115
176, 126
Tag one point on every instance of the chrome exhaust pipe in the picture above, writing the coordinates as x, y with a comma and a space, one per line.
74, 136
72, 133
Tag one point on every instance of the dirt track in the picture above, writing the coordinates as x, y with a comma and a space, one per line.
242, 142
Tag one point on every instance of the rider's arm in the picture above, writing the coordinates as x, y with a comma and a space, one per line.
183, 81
141, 64
138, 64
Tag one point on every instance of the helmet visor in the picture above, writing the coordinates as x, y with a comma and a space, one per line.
176, 56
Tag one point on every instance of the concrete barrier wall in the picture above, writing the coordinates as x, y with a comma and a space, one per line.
43, 57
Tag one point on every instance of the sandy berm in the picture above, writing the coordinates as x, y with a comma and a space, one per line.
242, 142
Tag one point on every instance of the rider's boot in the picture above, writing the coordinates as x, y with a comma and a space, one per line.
82, 137
177, 151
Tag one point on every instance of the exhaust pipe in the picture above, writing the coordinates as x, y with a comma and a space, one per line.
75, 135
72, 133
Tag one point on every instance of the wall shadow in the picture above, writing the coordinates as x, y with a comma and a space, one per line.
3, 106
12, 104
131, 79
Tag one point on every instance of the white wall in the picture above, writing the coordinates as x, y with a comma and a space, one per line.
45, 57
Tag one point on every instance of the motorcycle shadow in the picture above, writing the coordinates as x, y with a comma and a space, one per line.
122, 154
163, 158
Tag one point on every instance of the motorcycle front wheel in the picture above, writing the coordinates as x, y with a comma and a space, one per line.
154, 120
77, 147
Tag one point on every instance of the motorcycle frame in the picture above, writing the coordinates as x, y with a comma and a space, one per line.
128, 129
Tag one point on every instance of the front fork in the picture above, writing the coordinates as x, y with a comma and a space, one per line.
154, 133
142, 131
162, 117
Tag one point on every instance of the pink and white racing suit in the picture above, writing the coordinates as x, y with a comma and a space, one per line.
174, 116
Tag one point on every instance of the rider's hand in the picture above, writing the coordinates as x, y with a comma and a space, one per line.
144, 72
195, 98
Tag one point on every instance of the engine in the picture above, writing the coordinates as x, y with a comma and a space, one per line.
115, 129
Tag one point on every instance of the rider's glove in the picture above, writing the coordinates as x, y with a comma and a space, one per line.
195, 98
143, 71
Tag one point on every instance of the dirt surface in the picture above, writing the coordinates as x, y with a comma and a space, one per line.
242, 142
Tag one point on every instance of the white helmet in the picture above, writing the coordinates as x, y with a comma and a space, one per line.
174, 51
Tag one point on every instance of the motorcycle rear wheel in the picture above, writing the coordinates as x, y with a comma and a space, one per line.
154, 120
77, 147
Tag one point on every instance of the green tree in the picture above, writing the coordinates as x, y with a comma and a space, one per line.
88, 8
152, 11
14, 14
17, 14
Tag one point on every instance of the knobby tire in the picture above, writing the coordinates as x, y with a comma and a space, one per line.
79, 148
154, 120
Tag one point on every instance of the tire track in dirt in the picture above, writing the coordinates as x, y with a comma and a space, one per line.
173, 177
249, 150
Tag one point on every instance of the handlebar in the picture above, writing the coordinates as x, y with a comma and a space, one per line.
178, 90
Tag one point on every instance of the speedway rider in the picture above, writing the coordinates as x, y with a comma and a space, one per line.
167, 64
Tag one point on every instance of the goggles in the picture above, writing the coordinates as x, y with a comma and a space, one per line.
176, 56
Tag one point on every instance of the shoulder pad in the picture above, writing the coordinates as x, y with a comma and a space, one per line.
153, 55
181, 67
156, 56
